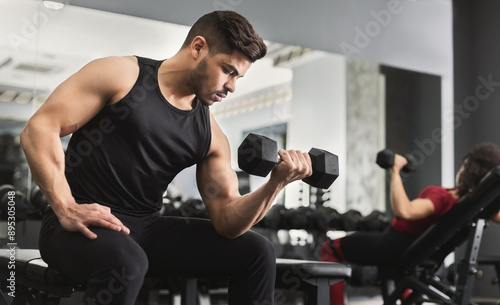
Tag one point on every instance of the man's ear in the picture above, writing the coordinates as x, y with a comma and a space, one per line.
199, 46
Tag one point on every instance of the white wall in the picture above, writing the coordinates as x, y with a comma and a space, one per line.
319, 117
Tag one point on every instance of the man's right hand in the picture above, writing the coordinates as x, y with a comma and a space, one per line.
78, 217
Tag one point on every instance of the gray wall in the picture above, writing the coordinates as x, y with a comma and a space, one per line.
413, 118
477, 106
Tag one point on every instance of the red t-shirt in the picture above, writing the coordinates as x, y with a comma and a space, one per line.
442, 200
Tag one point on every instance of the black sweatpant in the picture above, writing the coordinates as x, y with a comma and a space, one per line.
375, 248
114, 265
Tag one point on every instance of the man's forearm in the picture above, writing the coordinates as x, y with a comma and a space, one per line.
241, 213
45, 156
265, 195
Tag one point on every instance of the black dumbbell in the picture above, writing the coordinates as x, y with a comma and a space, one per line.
334, 222
349, 220
257, 155
385, 159
274, 218
168, 209
320, 218
193, 207
171, 201
375, 221
297, 218
38, 202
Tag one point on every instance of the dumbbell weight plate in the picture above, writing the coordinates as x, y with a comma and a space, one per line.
257, 155
325, 168
19, 199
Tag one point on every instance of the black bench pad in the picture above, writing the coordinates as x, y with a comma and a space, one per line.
31, 271
314, 268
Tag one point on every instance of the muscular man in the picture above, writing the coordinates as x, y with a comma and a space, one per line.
135, 124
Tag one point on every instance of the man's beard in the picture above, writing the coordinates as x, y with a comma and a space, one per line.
199, 80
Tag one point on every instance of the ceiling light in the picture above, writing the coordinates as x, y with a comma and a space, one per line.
23, 98
40, 98
53, 5
7, 96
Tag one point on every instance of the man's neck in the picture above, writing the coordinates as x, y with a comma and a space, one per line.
174, 82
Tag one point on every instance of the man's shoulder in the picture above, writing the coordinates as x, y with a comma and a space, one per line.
116, 61
117, 74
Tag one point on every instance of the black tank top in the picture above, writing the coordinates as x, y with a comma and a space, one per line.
126, 155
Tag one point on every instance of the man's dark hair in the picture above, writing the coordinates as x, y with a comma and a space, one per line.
477, 163
226, 31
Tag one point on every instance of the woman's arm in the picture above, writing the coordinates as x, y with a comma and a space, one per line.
402, 206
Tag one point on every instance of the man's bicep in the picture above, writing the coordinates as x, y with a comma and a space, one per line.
217, 181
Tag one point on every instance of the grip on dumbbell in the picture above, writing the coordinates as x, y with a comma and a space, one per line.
385, 159
410, 164
325, 168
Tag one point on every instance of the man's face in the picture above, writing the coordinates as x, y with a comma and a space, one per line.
215, 76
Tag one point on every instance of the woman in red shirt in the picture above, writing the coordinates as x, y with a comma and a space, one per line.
411, 217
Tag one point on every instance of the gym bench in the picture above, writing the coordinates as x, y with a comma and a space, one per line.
36, 283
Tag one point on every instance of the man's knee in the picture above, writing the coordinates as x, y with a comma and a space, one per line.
269, 249
122, 275
265, 250
117, 285
129, 266
121, 268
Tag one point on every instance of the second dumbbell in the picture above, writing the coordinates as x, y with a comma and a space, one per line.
385, 159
